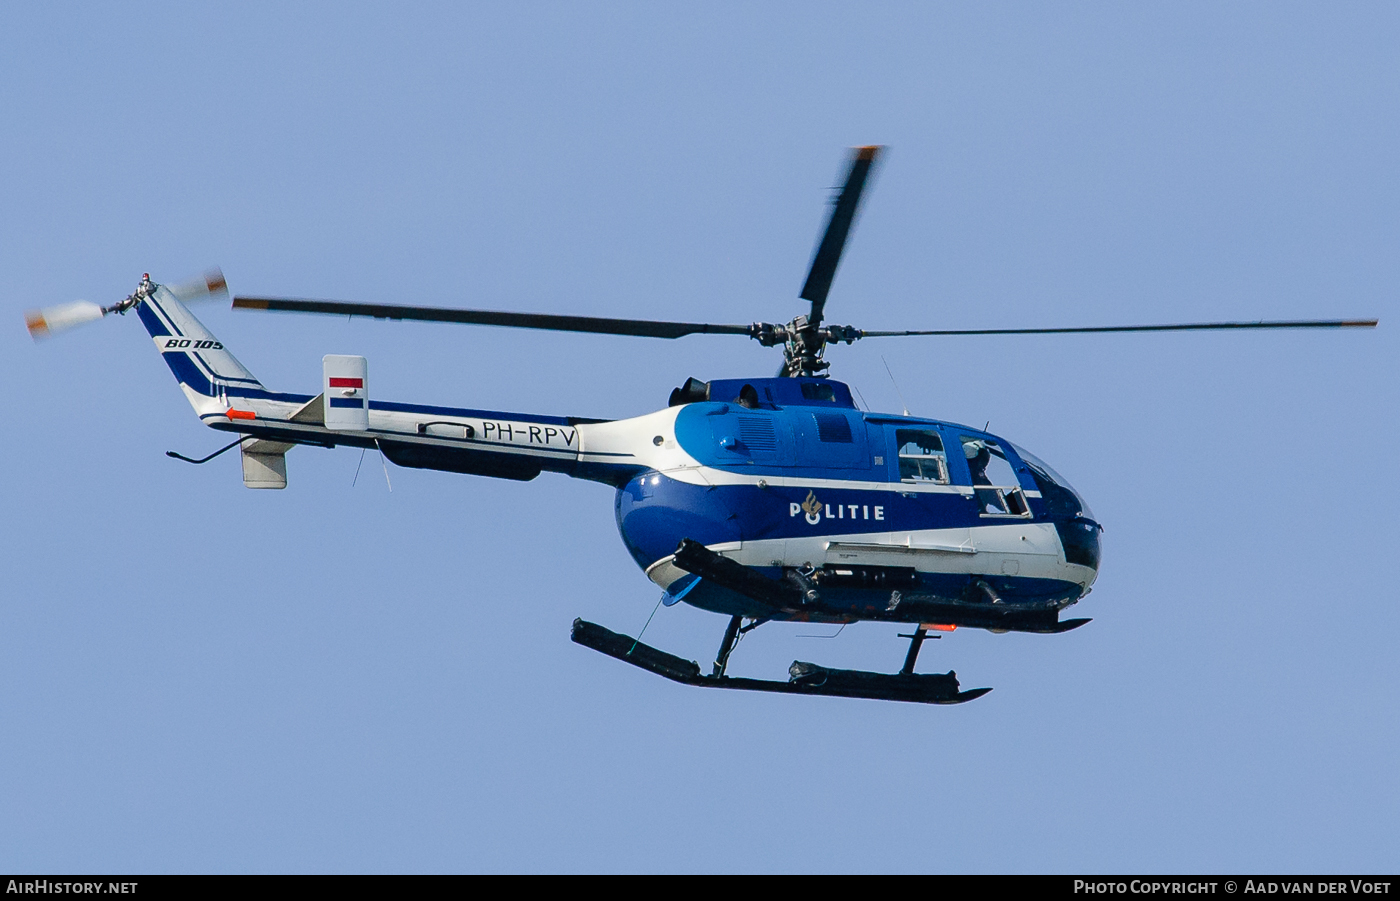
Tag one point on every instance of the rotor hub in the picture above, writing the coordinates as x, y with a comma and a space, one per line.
804, 343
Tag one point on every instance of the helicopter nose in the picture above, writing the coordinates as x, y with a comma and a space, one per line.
1080, 538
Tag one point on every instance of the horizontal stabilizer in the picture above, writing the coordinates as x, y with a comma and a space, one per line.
313, 412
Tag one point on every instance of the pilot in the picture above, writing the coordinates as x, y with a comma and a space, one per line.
978, 456
977, 459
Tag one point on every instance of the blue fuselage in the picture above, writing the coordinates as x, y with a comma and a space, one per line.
812, 483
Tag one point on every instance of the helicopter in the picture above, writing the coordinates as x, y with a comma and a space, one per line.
766, 500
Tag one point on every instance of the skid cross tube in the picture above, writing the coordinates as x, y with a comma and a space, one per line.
726, 646
916, 641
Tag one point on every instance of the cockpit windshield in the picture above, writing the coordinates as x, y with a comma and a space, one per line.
1059, 497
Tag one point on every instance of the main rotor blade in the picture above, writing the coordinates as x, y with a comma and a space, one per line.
838, 227
639, 327
1181, 327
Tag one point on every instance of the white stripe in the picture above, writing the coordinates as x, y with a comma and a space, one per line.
1028, 550
707, 476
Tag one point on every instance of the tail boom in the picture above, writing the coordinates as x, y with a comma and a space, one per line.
228, 397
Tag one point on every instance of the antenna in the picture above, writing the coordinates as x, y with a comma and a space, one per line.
896, 385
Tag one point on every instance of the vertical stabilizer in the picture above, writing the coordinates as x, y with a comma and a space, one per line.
200, 362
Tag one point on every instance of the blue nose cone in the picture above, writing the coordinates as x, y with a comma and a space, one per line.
654, 513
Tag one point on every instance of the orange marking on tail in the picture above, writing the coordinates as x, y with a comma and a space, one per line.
241, 414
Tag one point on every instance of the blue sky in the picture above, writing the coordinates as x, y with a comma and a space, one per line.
197, 677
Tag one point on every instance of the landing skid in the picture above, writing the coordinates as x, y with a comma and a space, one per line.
804, 678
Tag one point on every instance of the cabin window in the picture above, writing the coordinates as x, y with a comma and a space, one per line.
994, 483
921, 456
817, 391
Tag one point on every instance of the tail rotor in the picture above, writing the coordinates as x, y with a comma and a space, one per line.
49, 321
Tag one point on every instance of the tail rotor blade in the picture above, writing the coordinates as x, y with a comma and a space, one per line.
838, 228
52, 320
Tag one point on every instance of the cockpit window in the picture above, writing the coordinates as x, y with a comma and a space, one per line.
1061, 500
921, 456
816, 391
994, 483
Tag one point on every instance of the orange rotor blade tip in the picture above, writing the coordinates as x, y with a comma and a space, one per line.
34, 321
